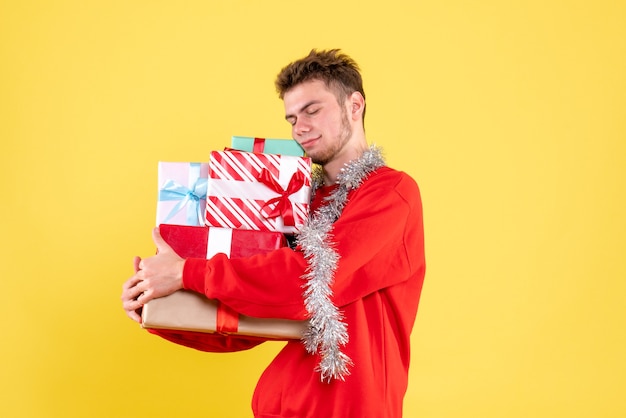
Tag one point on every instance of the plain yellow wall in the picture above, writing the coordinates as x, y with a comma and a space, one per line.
510, 115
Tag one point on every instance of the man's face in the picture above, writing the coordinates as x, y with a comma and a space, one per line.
318, 122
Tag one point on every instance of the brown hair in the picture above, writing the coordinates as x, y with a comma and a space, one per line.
337, 70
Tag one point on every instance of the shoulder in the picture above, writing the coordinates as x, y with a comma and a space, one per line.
389, 179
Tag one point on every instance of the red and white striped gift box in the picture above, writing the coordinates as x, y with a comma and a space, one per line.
264, 192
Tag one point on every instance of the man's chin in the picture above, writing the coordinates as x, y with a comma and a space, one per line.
317, 159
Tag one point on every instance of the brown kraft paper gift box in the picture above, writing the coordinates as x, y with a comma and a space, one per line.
190, 311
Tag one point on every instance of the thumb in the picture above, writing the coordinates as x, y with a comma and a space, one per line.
160, 243
136, 262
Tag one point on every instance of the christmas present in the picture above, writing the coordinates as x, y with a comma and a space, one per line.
267, 145
190, 311
264, 192
186, 310
182, 193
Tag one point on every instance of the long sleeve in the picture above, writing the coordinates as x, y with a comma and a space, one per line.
260, 286
214, 343
372, 224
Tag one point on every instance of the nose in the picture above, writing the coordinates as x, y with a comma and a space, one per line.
300, 127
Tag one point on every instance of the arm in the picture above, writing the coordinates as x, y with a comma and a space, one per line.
379, 237
371, 230
214, 343
262, 286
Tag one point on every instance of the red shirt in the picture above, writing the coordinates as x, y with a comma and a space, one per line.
377, 286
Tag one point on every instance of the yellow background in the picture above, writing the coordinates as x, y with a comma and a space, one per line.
510, 115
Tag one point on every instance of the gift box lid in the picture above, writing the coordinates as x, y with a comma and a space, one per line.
267, 145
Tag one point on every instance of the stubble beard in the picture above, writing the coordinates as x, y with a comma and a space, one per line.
345, 134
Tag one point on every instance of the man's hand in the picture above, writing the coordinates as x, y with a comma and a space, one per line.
154, 277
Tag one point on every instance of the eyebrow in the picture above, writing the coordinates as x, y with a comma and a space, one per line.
303, 108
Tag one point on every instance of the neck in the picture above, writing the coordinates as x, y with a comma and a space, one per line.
332, 168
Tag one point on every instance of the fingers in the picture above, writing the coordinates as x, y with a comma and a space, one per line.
131, 283
133, 292
135, 315
132, 289
132, 297
154, 277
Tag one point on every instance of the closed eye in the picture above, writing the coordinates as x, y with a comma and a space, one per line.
309, 109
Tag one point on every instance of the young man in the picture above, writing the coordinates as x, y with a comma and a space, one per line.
356, 273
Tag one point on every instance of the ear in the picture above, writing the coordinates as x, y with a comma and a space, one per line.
357, 105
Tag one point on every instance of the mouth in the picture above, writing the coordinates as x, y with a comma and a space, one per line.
309, 142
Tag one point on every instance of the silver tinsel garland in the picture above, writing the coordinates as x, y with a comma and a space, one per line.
327, 332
